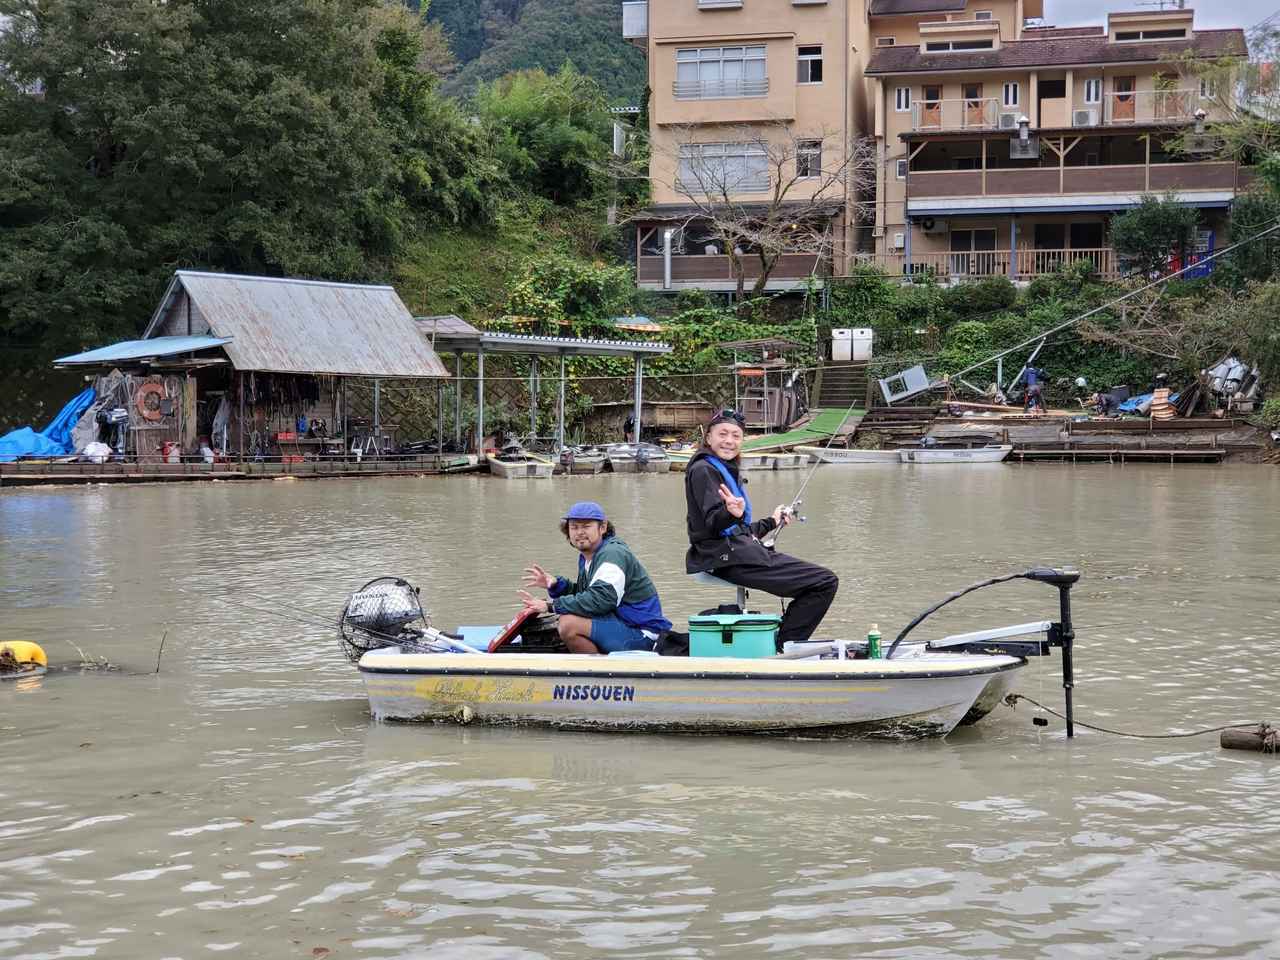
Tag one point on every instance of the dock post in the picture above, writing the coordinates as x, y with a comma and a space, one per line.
639, 393
457, 403
560, 417
480, 401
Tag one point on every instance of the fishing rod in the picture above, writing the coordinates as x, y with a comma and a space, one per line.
790, 511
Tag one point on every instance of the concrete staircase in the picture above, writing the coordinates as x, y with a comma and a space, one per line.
840, 385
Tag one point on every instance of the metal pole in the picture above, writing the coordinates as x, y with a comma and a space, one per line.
533, 398
560, 419
639, 392
480, 402
377, 410
439, 416
240, 419
457, 405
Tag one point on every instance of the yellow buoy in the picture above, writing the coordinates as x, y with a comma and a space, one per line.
23, 651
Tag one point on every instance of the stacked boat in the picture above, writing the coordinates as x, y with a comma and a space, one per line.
638, 458
513, 462
853, 455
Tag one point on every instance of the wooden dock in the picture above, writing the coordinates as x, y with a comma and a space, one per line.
1097, 453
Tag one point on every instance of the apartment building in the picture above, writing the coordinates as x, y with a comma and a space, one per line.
1001, 145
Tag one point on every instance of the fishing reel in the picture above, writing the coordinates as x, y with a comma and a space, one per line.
790, 514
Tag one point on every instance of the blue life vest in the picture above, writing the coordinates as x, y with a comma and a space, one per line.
731, 482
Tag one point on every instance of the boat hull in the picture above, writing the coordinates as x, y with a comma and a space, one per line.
902, 699
969, 455
586, 467
517, 469
841, 456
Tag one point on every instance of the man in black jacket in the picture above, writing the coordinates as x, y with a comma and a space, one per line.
724, 538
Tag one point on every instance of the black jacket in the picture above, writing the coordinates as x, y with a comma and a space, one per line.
708, 518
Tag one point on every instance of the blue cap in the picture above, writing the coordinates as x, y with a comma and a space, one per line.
585, 510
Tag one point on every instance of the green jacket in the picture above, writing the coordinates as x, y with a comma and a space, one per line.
615, 584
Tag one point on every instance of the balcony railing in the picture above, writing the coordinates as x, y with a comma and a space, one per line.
635, 19
1066, 181
713, 268
1146, 106
981, 114
715, 183
720, 89
976, 264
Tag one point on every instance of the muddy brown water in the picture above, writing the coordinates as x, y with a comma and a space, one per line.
241, 802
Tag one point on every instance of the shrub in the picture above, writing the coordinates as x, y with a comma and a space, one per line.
982, 297
1270, 415
1149, 234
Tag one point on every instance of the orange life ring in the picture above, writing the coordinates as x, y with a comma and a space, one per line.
147, 400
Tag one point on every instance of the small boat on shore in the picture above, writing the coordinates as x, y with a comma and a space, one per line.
520, 673
515, 462
579, 461
990, 454
638, 458
842, 456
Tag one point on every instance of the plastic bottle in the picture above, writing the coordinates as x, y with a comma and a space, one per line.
873, 642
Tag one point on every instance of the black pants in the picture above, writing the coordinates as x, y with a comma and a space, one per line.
811, 587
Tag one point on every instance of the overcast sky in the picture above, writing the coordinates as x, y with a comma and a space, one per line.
1209, 13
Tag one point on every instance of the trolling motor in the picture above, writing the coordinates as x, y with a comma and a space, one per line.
1011, 641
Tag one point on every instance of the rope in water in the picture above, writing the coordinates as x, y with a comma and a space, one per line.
1013, 698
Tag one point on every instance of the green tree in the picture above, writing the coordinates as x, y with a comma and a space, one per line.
1149, 234
550, 132
260, 136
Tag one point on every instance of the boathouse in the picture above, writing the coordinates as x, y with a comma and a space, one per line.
253, 368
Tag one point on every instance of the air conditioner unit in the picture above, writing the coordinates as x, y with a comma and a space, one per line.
899, 241
930, 225
1084, 118
1008, 121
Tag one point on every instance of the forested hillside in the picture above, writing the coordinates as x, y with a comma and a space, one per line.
491, 38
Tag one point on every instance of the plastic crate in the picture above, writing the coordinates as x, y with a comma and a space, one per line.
745, 635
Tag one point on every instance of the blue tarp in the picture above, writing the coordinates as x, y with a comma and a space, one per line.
1135, 404
54, 440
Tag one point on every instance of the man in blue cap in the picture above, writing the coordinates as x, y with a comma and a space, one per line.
613, 604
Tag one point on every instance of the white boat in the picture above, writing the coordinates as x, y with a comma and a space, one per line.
638, 458
789, 461
520, 674
840, 455
920, 695
513, 464
582, 462
990, 454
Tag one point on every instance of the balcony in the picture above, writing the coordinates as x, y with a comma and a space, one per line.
1143, 106
975, 265
981, 114
714, 272
720, 89
1127, 179
635, 20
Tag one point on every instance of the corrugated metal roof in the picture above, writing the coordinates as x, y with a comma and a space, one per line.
142, 349
445, 323
308, 326
555, 346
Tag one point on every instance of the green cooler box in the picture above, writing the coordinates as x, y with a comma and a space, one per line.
746, 635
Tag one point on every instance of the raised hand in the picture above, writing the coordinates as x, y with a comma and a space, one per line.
535, 576
781, 516
736, 506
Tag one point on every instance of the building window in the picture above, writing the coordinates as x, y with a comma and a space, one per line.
716, 168
958, 46
1093, 90
1123, 36
809, 159
902, 100
709, 72
1206, 89
885, 41
1011, 94
901, 167
809, 65
982, 14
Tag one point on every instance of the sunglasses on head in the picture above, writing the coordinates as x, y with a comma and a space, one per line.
733, 415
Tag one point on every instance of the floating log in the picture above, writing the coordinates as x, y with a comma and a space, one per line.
1262, 738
